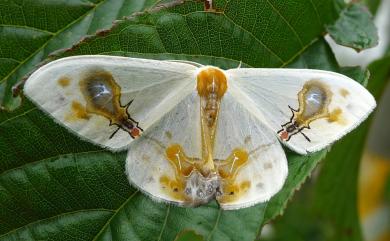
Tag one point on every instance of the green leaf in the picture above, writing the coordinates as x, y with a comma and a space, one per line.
373, 5
387, 190
189, 235
355, 28
52, 183
377, 139
35, 28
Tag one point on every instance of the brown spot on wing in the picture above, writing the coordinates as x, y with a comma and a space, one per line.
260, 185
63, 82
168, 134
145, 157
336, 116
344, 92
267, 165
78, 112
247, 140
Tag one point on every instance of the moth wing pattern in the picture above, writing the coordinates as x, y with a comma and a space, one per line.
274, 95
147, 164
145, 89
265, 170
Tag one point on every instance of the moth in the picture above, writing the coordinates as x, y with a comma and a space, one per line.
196, 133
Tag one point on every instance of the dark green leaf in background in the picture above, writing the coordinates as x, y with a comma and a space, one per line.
189, 235
54, 185
354, 28
372, 5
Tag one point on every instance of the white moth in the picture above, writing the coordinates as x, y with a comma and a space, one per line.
196, 133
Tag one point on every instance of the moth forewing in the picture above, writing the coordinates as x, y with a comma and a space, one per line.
109, 100
348, 104
307, 109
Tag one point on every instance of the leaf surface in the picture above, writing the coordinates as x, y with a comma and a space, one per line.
355, 28
52, 183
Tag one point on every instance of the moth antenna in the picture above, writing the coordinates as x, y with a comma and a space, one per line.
113, 134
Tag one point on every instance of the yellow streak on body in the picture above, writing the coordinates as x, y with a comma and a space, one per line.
183, 167
211, 87
228, 171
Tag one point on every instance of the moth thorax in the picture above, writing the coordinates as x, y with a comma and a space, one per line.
211, 80
200, 190
314, 99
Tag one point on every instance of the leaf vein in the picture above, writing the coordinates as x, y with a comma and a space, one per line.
165, 223
285, 20
215, 225
27, 27
114, 215
258, 40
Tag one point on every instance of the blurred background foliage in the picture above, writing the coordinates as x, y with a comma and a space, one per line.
53, 185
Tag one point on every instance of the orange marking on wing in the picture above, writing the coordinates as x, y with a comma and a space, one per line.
344, 92
79, 112
63, 81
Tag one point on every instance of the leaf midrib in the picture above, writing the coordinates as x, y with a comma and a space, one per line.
115, 212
